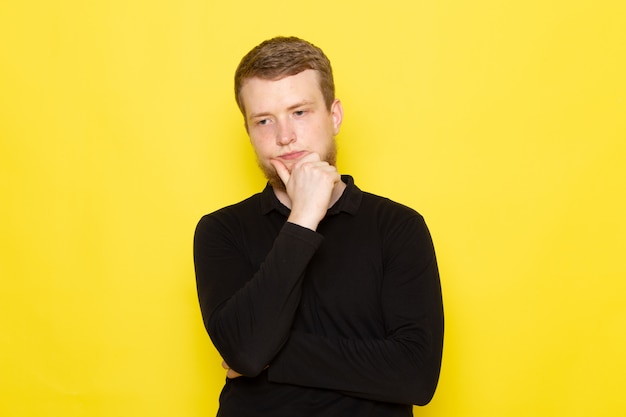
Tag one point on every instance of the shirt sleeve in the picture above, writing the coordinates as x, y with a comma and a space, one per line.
248, 313
401, 367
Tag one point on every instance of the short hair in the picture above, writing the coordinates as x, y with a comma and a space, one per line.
281, 57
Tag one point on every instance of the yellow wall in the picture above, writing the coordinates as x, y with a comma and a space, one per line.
503, 122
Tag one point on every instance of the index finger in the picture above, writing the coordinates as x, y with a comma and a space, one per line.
281, 170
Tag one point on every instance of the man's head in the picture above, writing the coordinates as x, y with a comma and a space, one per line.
286, 93
280, 57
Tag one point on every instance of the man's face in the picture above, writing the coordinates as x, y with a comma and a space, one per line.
287, 119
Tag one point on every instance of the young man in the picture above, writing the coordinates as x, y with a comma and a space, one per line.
323, 300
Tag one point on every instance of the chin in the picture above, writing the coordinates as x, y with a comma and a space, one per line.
272, 177
274, 180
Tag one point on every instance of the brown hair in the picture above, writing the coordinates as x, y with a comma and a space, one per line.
281, 57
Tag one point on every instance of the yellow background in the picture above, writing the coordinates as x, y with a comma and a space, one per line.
503, 123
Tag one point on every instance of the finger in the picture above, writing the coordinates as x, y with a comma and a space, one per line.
225, 365
281, 170
310, 157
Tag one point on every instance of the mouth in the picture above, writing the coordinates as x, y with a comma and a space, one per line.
292, 156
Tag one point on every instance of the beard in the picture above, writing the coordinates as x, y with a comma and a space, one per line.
330, 156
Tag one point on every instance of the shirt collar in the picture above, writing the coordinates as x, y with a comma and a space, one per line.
349, 201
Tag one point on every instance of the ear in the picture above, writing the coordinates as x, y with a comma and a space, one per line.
336, 112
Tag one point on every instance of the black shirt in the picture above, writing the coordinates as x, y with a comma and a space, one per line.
343, 321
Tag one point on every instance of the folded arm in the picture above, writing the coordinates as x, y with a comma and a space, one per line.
248, 314
401, 366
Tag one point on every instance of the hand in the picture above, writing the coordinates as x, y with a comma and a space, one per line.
309, 186
230, 373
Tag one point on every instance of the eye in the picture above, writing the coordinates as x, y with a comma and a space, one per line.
262, 122
299, 113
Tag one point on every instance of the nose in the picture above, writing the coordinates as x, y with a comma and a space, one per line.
285, 133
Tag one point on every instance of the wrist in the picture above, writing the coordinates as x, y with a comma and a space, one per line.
308, 222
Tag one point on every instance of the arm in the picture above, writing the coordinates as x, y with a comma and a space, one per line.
401, 366
248, 313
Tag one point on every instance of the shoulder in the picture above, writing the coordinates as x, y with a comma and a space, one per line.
402, 229
385, 208
233, 214
394, 221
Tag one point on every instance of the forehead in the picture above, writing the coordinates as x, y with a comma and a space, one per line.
259, 94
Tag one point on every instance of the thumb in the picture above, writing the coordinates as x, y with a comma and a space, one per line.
281, 170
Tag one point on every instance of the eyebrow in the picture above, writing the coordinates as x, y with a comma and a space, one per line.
292, 107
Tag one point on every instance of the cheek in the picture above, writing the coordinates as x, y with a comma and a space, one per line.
311, 131
262, 146
263, 135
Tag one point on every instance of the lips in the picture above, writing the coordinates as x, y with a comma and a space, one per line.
290, 156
